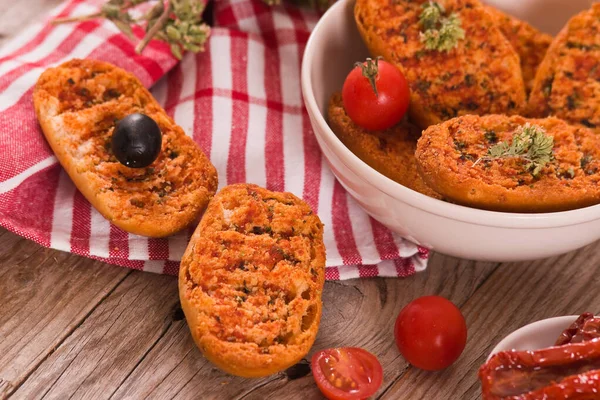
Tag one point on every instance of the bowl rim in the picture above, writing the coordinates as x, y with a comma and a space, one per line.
396, 190
533, 326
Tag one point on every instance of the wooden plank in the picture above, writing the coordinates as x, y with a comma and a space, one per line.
515, 294
45, 293
17, 15
174, 368
45, 296
108, 345
356, 313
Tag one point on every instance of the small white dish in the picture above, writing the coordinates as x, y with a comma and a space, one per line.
332, 49
535, 336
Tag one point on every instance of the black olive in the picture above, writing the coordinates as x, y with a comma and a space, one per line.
136, 141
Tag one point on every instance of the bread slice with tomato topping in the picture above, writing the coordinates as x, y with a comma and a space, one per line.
567, 84
454, 158
390, 151
251, 280
78, 105
529, 43
473, 69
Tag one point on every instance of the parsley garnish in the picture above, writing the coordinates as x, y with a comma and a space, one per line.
439, 32
530, 143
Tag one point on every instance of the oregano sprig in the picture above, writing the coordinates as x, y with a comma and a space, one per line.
440, 32
176, 22
431, 15
529, 143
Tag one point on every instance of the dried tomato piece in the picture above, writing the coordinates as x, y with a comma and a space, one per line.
530, 375
587, 330
573, 330
590, 330
584, 386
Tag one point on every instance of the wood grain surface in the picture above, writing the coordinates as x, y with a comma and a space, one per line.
76, 328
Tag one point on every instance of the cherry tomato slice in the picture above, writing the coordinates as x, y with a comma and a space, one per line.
347, 373
378, 100
431, 333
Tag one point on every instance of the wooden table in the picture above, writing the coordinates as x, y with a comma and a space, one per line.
72, 327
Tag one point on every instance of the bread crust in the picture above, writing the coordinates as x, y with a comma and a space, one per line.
529, 43
391, 151
77, 105
251, 280
447, 156
482, 75
567, 83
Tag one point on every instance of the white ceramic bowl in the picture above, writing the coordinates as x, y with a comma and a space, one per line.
331, 51
537, 335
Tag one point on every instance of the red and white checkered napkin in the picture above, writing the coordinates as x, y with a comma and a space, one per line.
241, 102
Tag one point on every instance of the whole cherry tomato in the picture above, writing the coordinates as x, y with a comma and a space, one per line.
375, 95
431, 333
347, 373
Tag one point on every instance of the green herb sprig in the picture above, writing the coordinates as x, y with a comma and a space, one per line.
440, 32
176, 22
530, 143
431, 15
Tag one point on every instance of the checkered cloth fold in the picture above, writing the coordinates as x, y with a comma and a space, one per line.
241, 102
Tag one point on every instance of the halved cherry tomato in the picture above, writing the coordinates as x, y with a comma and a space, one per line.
431, 333
375, 95
347, 373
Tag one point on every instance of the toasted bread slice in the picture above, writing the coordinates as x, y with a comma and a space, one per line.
251, 280
452, 160
78, 105
391, 152
481, 75
529, 43
567, 84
